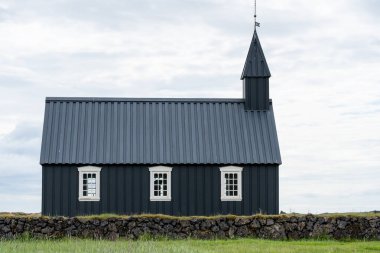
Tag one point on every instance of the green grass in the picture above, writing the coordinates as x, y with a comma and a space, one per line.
167, 246
363, 214
230, 216
161, 216
108, 215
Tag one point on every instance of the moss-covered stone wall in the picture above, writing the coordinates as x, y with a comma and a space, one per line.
268, 227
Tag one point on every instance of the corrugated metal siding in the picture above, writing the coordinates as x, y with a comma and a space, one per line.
92, 131
256, 93
125, 190
255, 64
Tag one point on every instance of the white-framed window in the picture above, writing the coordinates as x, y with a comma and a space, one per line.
160, 183
231, 183
89, 183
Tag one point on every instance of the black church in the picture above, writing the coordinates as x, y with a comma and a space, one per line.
195, 156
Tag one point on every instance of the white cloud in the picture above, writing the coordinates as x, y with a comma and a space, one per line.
324, 57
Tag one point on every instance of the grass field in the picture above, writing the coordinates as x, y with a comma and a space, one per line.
167, 246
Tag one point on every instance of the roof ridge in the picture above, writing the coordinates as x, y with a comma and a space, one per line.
114, 99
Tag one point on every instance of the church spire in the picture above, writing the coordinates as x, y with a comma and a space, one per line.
255, 64
256, 76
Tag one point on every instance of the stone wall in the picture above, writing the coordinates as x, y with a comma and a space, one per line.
268, 227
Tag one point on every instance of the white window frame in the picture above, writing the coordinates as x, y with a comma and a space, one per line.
161, 169
230, 169
89, 169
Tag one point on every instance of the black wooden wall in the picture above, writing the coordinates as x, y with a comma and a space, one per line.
125, 190
256, 93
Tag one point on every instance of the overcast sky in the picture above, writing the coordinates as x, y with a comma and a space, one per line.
324, 57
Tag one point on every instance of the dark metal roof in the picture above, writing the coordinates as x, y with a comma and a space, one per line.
157, 131
110, 99
255, 64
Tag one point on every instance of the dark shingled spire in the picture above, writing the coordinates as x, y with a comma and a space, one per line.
255, 64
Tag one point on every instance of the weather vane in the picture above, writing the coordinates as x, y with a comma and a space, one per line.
257, 24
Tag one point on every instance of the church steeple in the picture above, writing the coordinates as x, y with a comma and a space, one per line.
255, 77
255, 64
